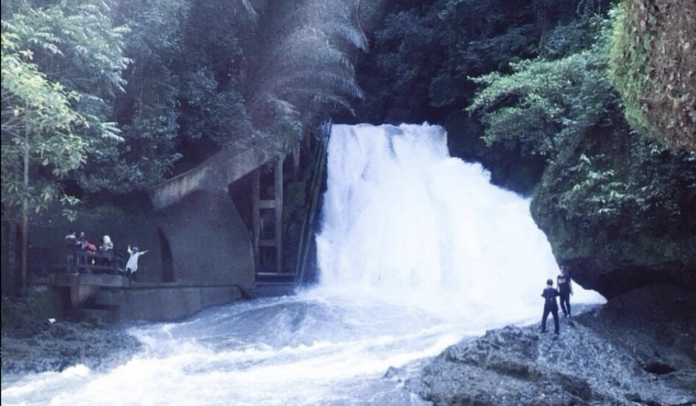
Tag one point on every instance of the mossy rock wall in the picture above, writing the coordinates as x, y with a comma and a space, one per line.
653, 66
621, 213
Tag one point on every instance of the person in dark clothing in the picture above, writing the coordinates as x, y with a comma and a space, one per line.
550, 306
81, 241
565, 289
81, 247
71, 246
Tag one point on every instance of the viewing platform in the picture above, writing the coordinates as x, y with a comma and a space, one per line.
82, 285
95, 286
114, 298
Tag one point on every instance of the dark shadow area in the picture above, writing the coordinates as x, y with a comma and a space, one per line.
167, 263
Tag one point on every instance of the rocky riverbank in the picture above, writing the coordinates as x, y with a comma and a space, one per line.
30, 344
638, 349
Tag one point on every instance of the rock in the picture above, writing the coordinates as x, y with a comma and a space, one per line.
64, 344
392, 373
612, 278
620, 220
634, 348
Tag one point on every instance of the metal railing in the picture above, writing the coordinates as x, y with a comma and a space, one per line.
308, 225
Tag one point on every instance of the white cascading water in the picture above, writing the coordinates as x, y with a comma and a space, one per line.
408, 224
416, 251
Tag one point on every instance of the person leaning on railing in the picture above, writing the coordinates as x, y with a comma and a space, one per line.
106, 251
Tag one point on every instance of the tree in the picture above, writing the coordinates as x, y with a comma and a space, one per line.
296, 69
148, 110
544, 103
423, 51
208, 74
49, 119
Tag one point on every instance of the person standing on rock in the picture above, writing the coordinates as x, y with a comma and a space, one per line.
565, 289
550, 306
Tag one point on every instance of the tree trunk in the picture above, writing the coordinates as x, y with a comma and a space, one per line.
10, 280
25, 223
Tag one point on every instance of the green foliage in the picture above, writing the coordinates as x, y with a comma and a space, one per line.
628, 73
422, 54
651, 65
599, 193
148, 109
74, 43
604, 193
27, 317
302, 73
60, 64
38, 130
622, 197
570, 38
213, 74
212, 106
545, 103
212, 113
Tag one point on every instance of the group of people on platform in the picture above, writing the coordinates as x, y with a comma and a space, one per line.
565, 289
83, 254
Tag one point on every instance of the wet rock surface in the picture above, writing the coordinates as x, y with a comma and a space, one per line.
59, 345
638, 349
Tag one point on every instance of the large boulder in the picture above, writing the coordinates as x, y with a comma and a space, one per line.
620, 213
614, 277
637, 349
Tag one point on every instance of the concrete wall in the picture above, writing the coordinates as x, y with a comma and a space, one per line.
161, 302
205, 241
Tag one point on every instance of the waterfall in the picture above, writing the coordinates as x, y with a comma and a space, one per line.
406, 223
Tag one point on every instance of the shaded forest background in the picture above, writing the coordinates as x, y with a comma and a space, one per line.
586, 106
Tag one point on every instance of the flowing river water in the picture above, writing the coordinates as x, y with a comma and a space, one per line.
416, 251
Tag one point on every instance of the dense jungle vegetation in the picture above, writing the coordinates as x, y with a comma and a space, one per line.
586, 105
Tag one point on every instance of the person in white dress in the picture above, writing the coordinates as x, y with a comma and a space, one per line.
132, 264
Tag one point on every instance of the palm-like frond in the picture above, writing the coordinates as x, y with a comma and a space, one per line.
304, 62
